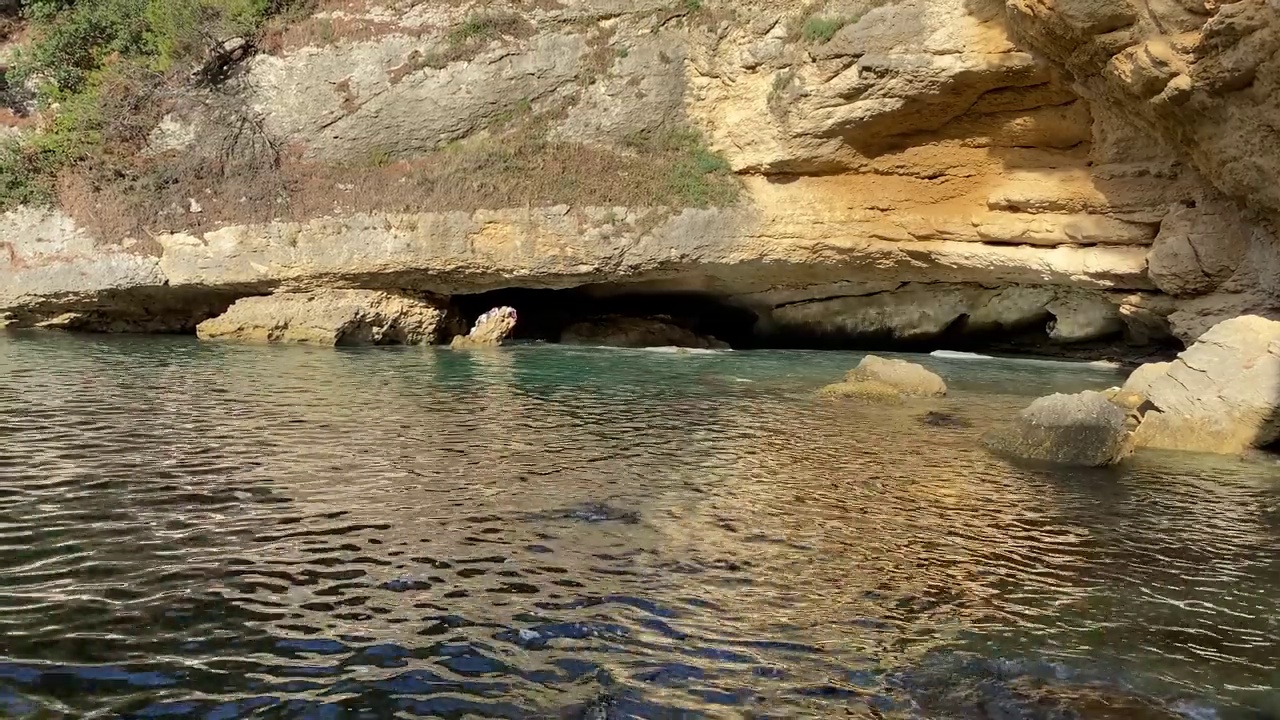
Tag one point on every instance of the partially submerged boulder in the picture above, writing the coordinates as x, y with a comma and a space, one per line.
1221, 395
634, 332
1083, 429
863, 390
882, 378
332, 317
944, 420
490, 329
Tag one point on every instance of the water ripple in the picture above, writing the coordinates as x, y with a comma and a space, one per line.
192, 531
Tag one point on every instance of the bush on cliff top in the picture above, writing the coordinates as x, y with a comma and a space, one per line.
821, 30
98, 67
75, 38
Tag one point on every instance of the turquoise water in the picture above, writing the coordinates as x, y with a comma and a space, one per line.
208, 531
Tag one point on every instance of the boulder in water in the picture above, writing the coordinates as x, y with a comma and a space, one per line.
333, 317
1221, 395
863, 390
633, 332
1085, 429
490, 330
878, 378
1126, 399
967, 686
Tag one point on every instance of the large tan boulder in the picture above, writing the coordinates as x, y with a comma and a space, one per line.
615, 331
878, 378
863, 390
909, 378
490, 329
332, 317
1220, 395
1198, 248
1086, 429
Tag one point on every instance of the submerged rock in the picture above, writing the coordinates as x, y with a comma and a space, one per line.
862, 389
618, 331
877, 378
332, 317
1083, 429
600, 512
947, 420
490, 330
965, 686
909, 378
1222, 395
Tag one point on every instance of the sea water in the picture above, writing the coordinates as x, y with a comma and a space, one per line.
217, 531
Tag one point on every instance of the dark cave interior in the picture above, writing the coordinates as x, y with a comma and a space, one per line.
545, 313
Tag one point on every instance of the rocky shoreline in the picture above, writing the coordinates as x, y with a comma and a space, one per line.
832, 286
1221, 395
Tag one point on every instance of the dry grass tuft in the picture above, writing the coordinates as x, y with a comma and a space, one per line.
350, 21
521, 167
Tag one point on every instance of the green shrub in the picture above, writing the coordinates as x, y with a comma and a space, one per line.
486, 27
184, 29
380, 157
102, 67
70, 45
74, 39
697, 177
23, 178
821, 30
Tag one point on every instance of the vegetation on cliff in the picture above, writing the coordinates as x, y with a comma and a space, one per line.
105, 73
100, 70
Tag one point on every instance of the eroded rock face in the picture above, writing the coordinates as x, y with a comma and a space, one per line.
1198, 249
1085, 429
1201, 77
332, 317
917, 312
728, 251
632, 332
1221, 395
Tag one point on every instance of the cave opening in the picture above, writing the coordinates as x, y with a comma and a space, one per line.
546, 314
1031, 341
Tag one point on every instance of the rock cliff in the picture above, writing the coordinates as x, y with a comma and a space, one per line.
905, 169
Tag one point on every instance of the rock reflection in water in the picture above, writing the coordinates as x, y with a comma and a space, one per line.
547, 532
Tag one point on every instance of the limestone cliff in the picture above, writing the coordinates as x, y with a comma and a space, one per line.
903, 168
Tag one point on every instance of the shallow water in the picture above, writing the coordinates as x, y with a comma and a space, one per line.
203, 531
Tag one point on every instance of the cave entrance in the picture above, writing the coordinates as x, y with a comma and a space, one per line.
546, 314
